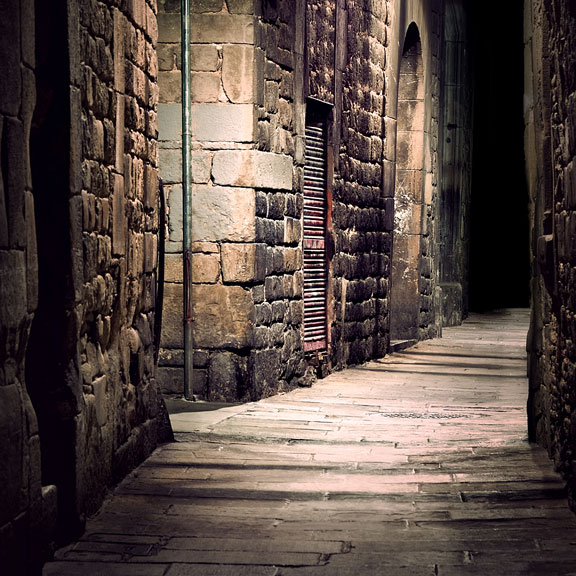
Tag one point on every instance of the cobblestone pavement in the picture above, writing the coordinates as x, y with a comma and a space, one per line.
414, 464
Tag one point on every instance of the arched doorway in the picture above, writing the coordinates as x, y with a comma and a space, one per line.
408, 196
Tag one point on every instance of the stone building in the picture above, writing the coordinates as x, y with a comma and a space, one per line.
330, 184
550, 119
358, 181
79, 404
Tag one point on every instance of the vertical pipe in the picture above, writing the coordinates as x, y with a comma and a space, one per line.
159, 302
187, 201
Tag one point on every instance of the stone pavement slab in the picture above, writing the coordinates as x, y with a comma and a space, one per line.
415, 464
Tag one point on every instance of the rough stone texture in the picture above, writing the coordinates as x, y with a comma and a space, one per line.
253, 149
243, 153
362, 242
252, 168
26, 518
223, 122
550, 37
78, 196
216, 330
226, 214
380, 469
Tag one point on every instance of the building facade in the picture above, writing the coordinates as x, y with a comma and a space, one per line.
550, 119
330, 184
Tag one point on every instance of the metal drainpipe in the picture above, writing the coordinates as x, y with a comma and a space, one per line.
187, 201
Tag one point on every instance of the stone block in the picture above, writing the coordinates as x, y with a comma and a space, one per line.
170, 165
13, 304
119, 133
150, 252
14, 173
170, 122
204, 58
100, 400
170, 84
201, 167
173, 268
205, 268
206, 247
429, 188
4, 237
204, 86
12, 426
252, 168
169, 27
271, 96
172, 330
570, 185
292, 259
276, 206
49, 512
223, 214
388, 178
223, 316
118, 217
10, 77
239, 77
389, 150
175, 215
241, 6
170, 379
225, 374
169, 57
216, 122
151, 186
292, 230
28, 35
266, 371
410, 149
119, 51
171, 357
238, 262
452, 304
222, 28
409, 186
202, 6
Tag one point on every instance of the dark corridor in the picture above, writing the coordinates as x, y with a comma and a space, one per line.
499, 237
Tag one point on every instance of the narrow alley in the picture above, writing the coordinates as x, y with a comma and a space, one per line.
414, 464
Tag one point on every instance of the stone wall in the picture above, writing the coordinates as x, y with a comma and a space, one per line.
78, 249
550, 117
27, 508
244, 222
256, 69
114, 116
361, 208
412, 150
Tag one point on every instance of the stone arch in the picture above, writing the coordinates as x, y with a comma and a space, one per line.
408, 195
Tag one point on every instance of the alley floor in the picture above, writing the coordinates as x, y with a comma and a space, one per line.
416, 464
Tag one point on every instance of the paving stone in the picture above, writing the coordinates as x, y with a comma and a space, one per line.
203, 570
103, 569
416, 464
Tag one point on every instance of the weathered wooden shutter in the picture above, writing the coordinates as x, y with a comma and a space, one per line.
314, 239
